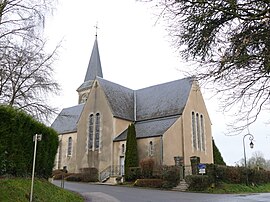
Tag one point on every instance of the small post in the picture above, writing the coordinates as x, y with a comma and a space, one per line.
36, 138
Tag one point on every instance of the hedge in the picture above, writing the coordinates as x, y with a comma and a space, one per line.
153, 183
237, 175
16, 144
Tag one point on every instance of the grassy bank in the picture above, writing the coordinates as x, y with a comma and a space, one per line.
239, 188
19, 190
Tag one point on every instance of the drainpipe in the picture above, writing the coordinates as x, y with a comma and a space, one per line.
161, 149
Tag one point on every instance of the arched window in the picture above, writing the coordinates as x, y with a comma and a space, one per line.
69, 151
97, 135
151, 149
198, 132
202, 133
91, 131
123, 148
194, 139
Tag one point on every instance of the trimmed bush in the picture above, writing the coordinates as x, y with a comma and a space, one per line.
147, 167
237, 175
198, 182
89, 174
74, 177
16, 144
153, 183
170, 175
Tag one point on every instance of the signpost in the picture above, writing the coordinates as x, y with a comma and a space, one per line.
202, 168
36, 137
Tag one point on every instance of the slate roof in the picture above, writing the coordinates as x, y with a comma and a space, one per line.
85, 85
66, 121
151, 103
94, 66
162, 100
120, 98
150, 128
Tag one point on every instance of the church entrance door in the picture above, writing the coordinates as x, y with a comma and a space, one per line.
122, 165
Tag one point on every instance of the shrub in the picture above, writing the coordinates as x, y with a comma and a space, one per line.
74, 177
131, 159
233, 175
147, 167
16, 144
89, 174
61, 175
198, 182
153, 183
134, 173
171, 176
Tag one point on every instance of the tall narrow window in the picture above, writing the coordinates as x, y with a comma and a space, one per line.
69, 151
202, 133
123, 148
194, 141
90, 131
97, 131
198, 132
150, 149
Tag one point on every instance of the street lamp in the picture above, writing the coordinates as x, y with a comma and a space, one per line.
251, 146
36, 137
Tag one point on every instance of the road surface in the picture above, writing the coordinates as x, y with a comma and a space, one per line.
107, 193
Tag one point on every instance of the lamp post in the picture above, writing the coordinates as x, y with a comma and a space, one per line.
251, 146
36, 137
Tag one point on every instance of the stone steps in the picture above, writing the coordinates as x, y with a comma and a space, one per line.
182, 186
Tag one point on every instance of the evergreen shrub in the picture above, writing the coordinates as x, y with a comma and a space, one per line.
134, 173
170, 175
16, 144
198, 182
237, 175
131, 155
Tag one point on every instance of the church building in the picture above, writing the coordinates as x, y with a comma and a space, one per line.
171, 120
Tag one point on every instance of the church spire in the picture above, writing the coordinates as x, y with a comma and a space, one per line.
94, 67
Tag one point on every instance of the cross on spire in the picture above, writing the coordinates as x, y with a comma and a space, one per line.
96, 26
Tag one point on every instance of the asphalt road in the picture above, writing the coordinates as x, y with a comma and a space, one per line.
107, 193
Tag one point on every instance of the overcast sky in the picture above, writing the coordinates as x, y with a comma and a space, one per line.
135, 52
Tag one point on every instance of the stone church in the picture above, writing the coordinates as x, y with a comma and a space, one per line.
171, 120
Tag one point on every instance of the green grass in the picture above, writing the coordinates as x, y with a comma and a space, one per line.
18, 190
239, 188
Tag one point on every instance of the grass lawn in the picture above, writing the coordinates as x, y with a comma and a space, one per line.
18, 190
239, 188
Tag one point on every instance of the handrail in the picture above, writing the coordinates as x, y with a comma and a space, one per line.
110, 171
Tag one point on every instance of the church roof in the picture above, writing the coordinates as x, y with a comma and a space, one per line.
94, 66
162, 100
120, 98
66, 121
157, 101
150, 128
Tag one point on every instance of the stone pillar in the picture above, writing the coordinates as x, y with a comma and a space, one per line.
179, 162
194, 160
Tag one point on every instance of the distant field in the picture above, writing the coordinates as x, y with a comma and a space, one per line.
18, 190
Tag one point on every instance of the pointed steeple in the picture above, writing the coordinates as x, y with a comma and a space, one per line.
94, 67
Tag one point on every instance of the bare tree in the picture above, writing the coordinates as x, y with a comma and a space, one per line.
258, 161
230, 40
23, 19
25, 67
27, 79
